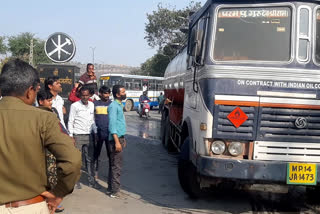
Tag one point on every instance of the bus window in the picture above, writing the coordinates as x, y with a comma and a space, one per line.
317, 54
128, 83
111, 81
159, 86
145, 85
262, 32
137, 85
152, 86
115, 81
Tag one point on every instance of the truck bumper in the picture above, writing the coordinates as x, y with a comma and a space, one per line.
250, 171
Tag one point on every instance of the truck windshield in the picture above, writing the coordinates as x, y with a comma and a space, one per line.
257, 34
317, 55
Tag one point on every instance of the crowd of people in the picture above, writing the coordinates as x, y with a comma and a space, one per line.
42, 153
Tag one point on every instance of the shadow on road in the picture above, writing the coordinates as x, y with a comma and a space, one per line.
150, 175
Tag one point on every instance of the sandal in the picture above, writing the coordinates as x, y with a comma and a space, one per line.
59, 209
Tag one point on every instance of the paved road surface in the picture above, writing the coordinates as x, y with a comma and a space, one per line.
150, 184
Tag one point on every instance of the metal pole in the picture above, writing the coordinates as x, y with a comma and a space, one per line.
31, 53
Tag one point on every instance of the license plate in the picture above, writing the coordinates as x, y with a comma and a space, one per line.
302, 173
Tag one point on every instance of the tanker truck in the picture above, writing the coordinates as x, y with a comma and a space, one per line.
243, 96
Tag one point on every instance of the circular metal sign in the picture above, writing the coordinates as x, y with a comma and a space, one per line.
60, 47
301, 122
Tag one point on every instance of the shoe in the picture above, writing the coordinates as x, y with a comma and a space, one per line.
96, 185
78, 186
115, 195
59, 209
109, 191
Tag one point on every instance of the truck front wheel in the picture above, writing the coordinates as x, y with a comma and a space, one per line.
312, 194
187, 173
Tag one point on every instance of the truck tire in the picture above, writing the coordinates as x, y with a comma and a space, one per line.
163, 127
167, 143
128, 106
187, 173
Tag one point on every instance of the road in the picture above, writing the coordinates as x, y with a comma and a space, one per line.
150, 184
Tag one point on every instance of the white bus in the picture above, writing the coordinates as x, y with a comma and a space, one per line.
134, 85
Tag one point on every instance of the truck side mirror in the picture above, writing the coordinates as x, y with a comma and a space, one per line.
176, 46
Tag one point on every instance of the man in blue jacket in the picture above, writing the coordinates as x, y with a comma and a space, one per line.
102, 123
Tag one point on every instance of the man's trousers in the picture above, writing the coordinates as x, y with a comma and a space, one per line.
85, 144
115, 165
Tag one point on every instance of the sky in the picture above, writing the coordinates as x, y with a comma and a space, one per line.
114, 29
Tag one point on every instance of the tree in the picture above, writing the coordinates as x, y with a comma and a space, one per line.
156, 65
39, 55
19, 46
3, 47
164, 25
162, 30
2, 62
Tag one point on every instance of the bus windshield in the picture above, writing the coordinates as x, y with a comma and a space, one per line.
110, 81
253, 34
317, 55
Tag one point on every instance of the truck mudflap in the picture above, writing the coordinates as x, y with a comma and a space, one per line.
249, 171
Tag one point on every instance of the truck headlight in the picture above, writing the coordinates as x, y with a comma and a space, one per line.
235, 148
218, 147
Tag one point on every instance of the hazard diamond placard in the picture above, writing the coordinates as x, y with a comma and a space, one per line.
237, 117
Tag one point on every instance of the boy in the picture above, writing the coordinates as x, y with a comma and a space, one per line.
44, 99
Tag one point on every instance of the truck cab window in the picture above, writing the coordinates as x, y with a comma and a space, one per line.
304, 34
261, 28
317, 54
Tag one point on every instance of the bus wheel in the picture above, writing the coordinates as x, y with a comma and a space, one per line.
187, 173
128, 106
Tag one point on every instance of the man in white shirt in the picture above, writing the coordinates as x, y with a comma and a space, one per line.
81, 126
53, 85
